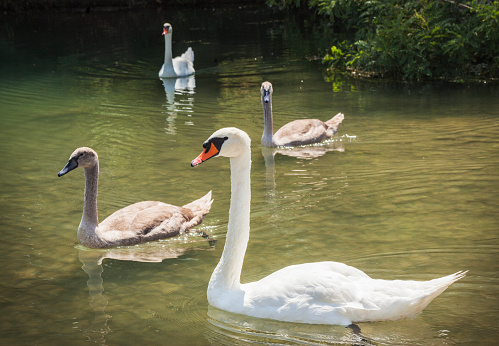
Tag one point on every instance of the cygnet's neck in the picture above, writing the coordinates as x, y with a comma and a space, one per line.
90, 219
267, 124
227, 274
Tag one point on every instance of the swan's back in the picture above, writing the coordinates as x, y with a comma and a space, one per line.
141, 217
301, 132
335, 293
152, 220
307, 131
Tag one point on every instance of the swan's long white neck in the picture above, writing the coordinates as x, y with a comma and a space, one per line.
90, 219
267, 124
168, 52
227, 274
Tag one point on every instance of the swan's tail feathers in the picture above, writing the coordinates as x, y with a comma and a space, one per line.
189, 55
441, 284
201, 205
335, 122
199, 209
434, 288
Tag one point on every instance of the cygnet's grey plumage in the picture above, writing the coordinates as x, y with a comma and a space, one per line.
297, 132
138, 223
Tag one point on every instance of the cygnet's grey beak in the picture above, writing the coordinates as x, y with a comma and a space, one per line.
72, 164
266, 96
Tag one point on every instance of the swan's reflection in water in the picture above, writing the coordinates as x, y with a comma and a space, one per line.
92, 259
92, 265
232, 329
182, 89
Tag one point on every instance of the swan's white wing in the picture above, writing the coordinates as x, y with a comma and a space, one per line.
334, 293
323, 283
188, 55
322, 292
184, 64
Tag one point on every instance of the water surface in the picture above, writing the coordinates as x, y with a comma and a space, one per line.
408, 189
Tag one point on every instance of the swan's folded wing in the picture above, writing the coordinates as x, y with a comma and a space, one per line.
188, 55
122, 218
328, 284
301, 132
146, 219
162, 221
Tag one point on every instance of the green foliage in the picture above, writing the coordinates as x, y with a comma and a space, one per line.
343, 12
286, 4
415, 39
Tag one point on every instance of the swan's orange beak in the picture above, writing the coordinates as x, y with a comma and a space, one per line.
205, 155
165, 31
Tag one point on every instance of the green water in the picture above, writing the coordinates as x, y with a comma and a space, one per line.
410, 193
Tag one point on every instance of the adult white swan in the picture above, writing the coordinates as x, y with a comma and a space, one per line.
319, 293
182, 65
137, 223
297, 132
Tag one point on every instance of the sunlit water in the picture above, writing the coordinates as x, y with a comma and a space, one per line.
408, 189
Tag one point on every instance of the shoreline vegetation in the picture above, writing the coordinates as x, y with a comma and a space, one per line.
410, 40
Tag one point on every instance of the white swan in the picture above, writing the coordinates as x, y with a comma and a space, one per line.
181, 66
318, 293
297, 132
137, 223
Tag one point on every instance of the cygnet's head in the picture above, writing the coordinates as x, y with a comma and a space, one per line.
81, 157
228, 142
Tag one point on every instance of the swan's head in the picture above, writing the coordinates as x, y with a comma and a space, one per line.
228, 142
266, 92
167, 29
81, 157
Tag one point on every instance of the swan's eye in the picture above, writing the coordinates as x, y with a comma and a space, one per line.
217, 142
207, 146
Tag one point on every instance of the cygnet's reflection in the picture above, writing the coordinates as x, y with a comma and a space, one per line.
306, 151
301, 152
181, 88
92, 265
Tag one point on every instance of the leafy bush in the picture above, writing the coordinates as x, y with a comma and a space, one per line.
415, 39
